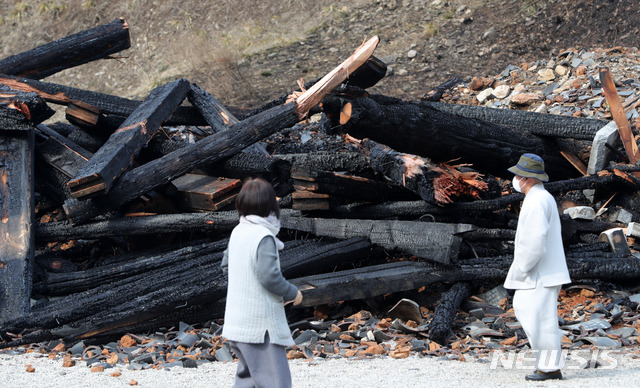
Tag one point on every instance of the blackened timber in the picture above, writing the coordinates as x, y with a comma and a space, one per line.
59, 160
106, 103
218, 117
316, 257
436, 93
73, 50
430, 240
218, 222
65, 283
354, 163
445, 312
540, 124
155, 173
116, 155
432, 182
16, 218
349, 186
219, 146
417, 128
26, 107
368, 282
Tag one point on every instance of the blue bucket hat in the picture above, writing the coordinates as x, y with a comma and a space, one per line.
530, 166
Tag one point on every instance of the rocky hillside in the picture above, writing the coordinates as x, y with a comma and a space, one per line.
246, 53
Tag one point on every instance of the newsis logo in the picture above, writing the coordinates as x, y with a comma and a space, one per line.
552, 359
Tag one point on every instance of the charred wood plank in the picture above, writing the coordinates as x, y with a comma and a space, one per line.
368, 282
445, 312
348, 186
16, 217
73, 50
373, 70
107, 104
198, 192
116, 155
433, 183
218, 222
59, 159
418, 128
354, 163
617, 111
57, 284
25, 107
435, 241
216, 147
316, 257
540, 124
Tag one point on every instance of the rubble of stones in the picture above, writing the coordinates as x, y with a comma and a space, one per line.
592, 316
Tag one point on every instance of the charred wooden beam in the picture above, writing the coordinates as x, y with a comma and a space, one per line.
418, 128
433, 183
107, 104
316, 257
73, 50
435, 241
540, 124
348, 186
65, 283
217, 222
354, 163
445, 312
216, 147
198, 192
369, 74
60, 160
25, 107
17, 211
116, 155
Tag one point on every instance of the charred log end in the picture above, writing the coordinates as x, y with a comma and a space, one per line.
345, 113
82, 114
87, 186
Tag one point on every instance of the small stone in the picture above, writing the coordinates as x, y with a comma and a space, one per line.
524, 98
501, 91
402, 72
30, 369
67, 362
581, 70
412, 54
484, 95
476, 83
133, 382
116, 374
546, 75
97, 369
561, 70
127, 341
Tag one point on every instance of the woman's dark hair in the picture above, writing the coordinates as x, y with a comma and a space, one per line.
258, 197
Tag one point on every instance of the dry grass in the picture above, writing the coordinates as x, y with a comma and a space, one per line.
205, 42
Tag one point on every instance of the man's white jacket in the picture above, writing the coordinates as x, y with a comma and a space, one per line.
538, 254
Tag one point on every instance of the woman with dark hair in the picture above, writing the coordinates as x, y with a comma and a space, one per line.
254, 321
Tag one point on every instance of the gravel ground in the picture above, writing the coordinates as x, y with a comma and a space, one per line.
370, 373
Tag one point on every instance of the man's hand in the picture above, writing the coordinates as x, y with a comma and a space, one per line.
298, 298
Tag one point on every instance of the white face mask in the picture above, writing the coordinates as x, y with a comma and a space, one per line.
516, 184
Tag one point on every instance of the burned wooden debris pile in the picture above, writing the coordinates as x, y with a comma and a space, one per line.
115, 221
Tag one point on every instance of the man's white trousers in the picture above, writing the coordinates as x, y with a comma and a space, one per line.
537, 311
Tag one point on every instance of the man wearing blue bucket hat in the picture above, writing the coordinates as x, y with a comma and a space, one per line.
539, 267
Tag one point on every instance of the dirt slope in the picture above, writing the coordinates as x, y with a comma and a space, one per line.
246, 53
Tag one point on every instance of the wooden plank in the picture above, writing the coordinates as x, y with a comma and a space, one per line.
206, 193
116, 155
306, 200
107, 104
213, 148
617, 111
73, 50
429, 240
16, 221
